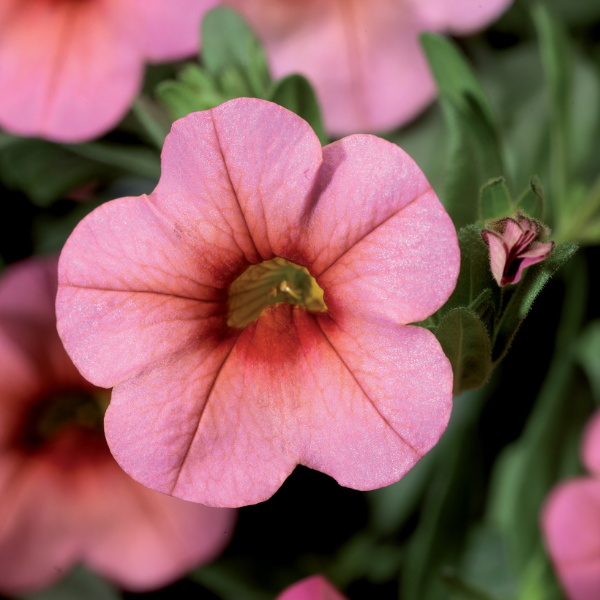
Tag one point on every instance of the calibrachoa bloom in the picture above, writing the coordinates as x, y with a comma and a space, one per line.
69, 69
571, 524
63, 498
311, 588
251, 313
363, 56
515, 243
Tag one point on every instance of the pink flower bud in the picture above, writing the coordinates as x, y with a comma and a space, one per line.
515, 243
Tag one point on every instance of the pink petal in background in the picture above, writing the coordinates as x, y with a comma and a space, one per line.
363, 56
70, 70
311, 588
66, 500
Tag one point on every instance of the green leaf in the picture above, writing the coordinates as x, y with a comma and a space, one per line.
494, 199
233, 83
229, 581
464, 177
466, 343
78, 584
155, 123
588, 355
137, 160
527, 469
6, 139
449, 504
531, 201
179, 99
391, 506
50, 232
485, 563
44, 171
295, 93
194, 90
556, 58
475, 274
228, 43
462, 590
454, 76
475, 155
522, 297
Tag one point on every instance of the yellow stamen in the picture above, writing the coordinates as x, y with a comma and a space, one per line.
271, 282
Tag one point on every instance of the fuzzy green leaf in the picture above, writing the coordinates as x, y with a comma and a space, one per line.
494, 199
475, 274
531, 201
466, 343
296, 94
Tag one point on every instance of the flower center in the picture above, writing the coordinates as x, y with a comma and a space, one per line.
271, 282
83, 409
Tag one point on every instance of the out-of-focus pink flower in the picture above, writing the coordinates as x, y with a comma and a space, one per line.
515, 243
571, 524
203, 305
63, 498
311, 588
69, 69
363, 56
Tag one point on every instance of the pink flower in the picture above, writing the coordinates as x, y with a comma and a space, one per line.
363, 56
571, 524
515, 243
202, 304
69, 69
311, 588
63, 498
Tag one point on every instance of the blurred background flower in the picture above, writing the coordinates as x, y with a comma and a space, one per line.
63, 498
70, 69
571, 523
362, 56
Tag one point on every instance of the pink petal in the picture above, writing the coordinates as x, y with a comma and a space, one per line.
141, 539
537, 250
311, 588
32, 357
512, 233
142, 278
291, 391
38, 543
363, 57
498, 253
374, 252
591, 445
571, 523
171, 28
72, 68
196, 403
93, 512
459, 17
